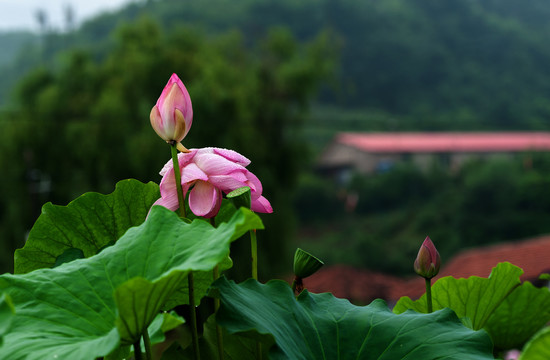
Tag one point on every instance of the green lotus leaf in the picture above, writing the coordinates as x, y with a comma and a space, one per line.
474, 299
68, 255
89, 308
320, 326
6, 315
88, 223
524, 312
538, 348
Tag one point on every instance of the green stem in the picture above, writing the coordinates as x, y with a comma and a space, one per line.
137, 350
193, 313
258, 350
215, 276
147, 342
219, 334
177, 174
429, 295
190, 281
254, 253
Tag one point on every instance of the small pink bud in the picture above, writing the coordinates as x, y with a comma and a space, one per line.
428, 261
172, 116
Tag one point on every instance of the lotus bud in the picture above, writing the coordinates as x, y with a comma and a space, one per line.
428, 261
172, 116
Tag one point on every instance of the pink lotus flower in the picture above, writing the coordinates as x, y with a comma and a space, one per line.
428, 261
172, 116
208, 172
512, 354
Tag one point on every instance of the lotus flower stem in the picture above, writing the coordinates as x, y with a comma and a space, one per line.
254, 253
137, 349
297, 285
190, 281
177, 175
219, 335
193, 313
429, 295
258, 350
147, 342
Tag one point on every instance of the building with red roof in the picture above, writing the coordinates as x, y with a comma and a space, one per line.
374, 152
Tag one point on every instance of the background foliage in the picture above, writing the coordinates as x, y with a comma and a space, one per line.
85, 125
482, 203
74, 108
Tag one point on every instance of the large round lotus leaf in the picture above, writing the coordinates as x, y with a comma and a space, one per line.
88, 224
320, 326
88, 308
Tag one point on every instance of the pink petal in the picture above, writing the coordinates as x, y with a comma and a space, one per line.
232, 156
168, 191
174, 79
183, 159
239, 175
186, 158
192, 172
216, 165
168, 102
227, 183
157, 124
261, 205
167, 167
204, 199
168, 182
169, 202
175, 96
186, 108
206, 150
254, 184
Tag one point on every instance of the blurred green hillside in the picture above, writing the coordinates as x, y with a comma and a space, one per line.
74, 112
430, 64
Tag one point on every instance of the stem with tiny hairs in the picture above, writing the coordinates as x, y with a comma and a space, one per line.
177, 175
219, 335
429, 295
137, 350
254, 255
190, 281
193, 313
147, 343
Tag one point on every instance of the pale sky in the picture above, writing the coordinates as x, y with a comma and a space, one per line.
20, 14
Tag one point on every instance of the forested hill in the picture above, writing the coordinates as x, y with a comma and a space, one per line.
454, 64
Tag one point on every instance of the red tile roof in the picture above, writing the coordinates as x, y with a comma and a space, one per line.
358, 285
446, 142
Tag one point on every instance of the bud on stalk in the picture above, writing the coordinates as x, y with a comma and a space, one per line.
428, 261
172, 115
